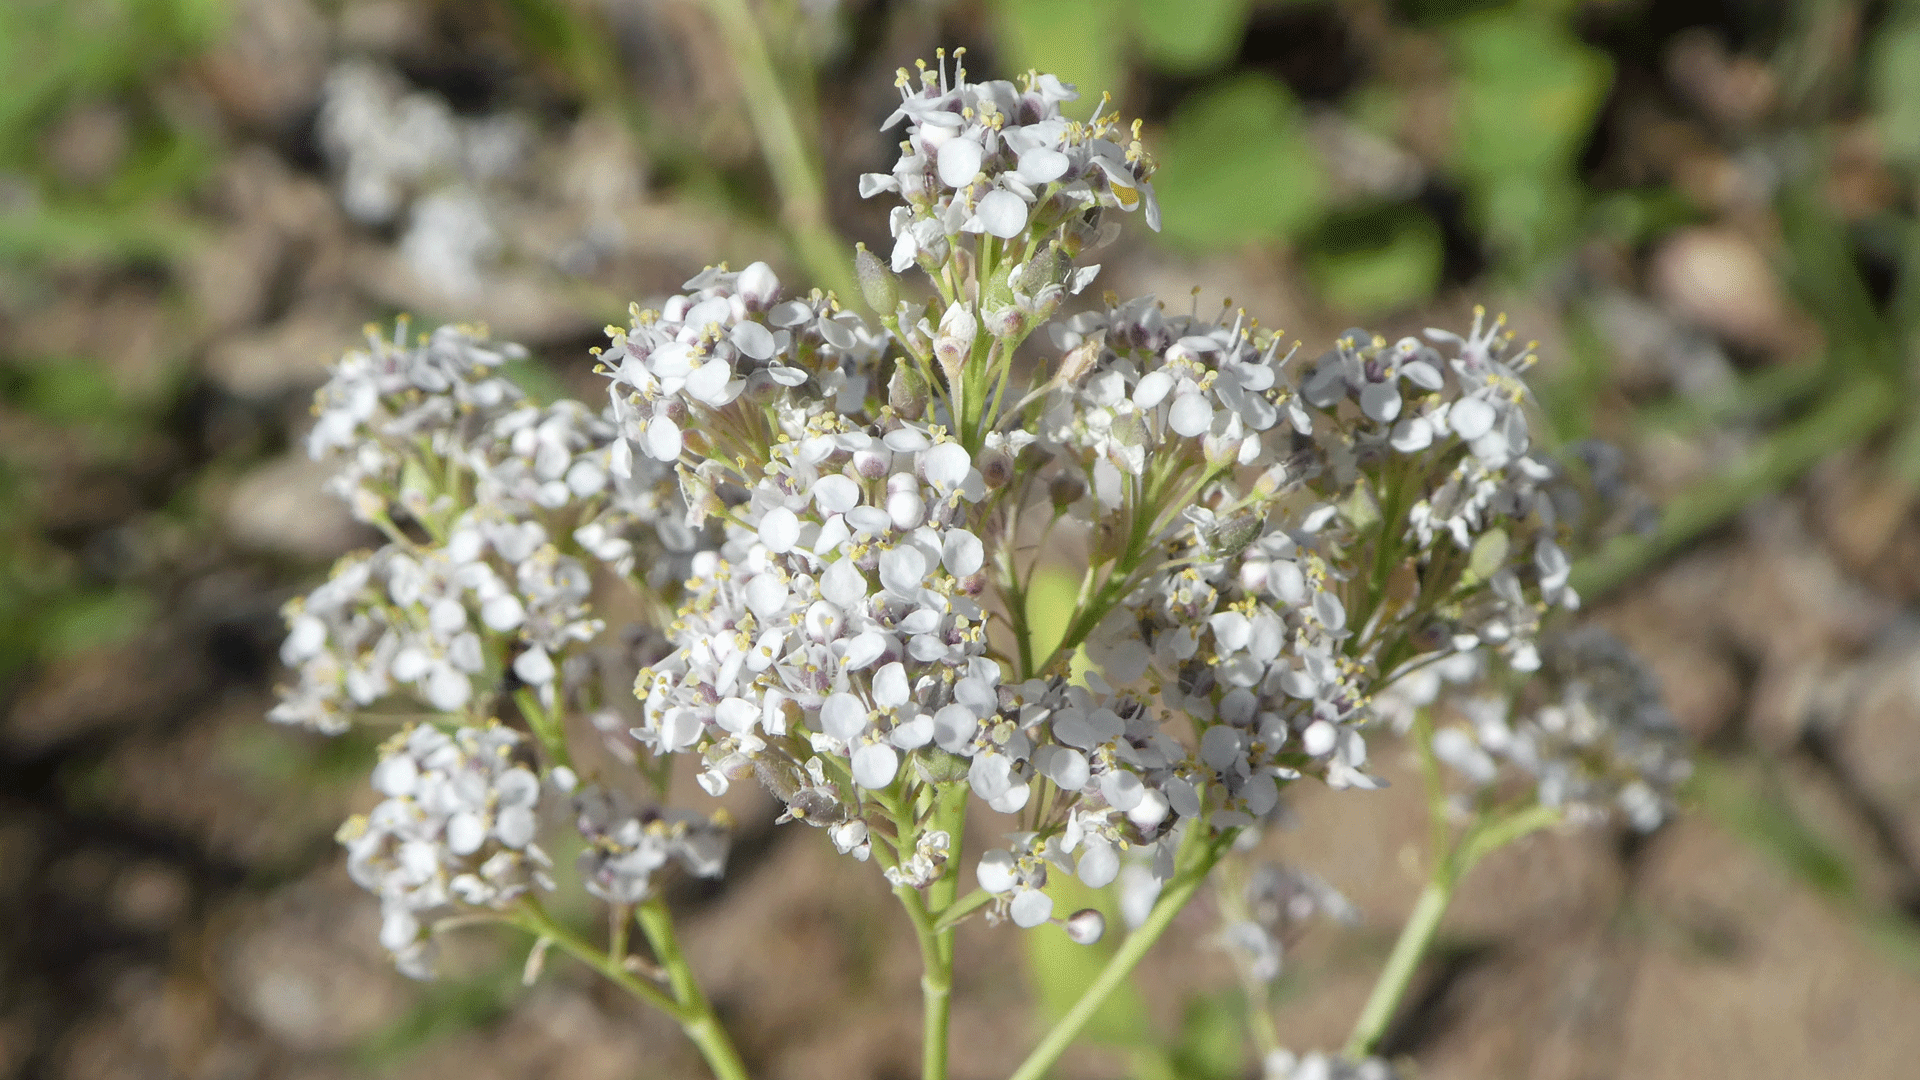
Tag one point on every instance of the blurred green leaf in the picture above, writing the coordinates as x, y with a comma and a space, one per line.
1528, 95
1078, 40
1764, 819
96, 619
53, 50
1211, 1046
1893, 84
1060, 970
1236, 168
1189, 35
1374, 262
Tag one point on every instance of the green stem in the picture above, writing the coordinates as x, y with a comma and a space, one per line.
696, 1017
803, 203
1415, 938
546, 728
952, 915
1851, 413
1172, 899
534, 920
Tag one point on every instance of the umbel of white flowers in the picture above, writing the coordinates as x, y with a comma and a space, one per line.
831, 524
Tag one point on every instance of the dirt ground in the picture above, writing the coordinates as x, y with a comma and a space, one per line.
176, 905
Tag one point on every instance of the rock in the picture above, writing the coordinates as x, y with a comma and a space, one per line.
288, 357
1720, 280
280, 509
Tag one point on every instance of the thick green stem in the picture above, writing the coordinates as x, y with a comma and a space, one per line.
803, 202
696, 1013
1172, 899
1415, 938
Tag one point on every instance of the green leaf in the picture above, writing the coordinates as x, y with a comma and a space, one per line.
1376, 262
1893, 84
1078, 40
95, 620
1211, 1046
1235, 168
1189, 35
1060, 970
1529, 92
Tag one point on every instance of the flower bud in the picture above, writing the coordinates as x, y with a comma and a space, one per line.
954, 344
1085, 926
1081, 358
937, 766
1234, 534
1038, 272
1004, 321
877, 283
1065, 490
907, 392
996, 467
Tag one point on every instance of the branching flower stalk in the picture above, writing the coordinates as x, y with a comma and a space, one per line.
836, 526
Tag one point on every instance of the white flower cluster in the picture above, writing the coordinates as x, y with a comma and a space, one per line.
1272, 908
456, 828
1589, 733
627, 843
834, 532
728, 339
838, 621
999, 160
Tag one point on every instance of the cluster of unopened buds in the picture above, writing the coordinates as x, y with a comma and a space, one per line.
834, 525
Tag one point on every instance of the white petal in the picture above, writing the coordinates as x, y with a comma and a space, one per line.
836, 494
779, 530
1003, 214
1152, 389
663, 439
1030, 908
843, 716
875, 765
752, 339
708, 382
1190, 415
534, 667
995, 873
843, 584
945, 466
1098, 864
865, 649
1380, 401
1043, 164
963, 553
960, 162
890, 688
1471, 418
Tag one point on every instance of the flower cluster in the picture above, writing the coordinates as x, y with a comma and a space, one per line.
627, 843
457, 828
834, 532
998, 160
1588, 734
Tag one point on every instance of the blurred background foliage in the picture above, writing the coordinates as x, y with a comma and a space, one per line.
1705, 209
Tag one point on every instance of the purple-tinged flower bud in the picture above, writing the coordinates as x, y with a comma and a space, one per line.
1085, 926
996, 467
1005, 321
